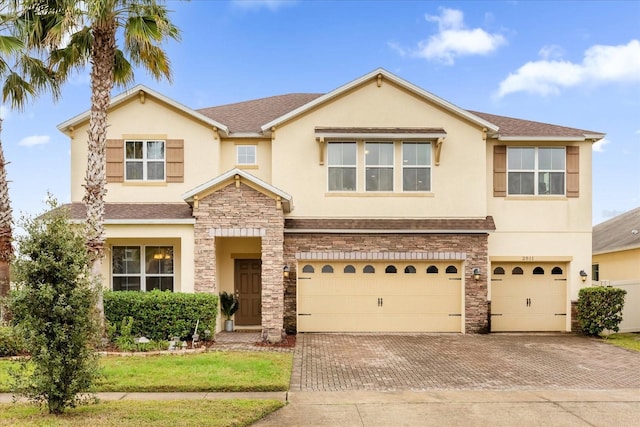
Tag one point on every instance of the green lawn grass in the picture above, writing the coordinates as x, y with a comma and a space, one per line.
214, 371
626, 340
153, 413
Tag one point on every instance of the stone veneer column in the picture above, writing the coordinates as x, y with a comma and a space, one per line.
272, 284
241, 211
204, 253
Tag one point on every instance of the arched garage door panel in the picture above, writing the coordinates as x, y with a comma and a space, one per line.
370, 297
528, 297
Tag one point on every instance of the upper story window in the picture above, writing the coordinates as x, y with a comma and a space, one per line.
379, 166
246, 155
536, 170
416, 166
342, 166
145, 160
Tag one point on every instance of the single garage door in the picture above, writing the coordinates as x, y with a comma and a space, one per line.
528, 297
390, 296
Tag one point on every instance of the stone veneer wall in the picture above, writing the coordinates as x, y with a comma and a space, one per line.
243, 212
474, 245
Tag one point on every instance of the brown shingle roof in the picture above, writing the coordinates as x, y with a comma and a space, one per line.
451, 225
510, 126
617, 233
135, 211
249, 116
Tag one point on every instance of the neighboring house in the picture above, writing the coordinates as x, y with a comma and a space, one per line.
375, 207
616, 262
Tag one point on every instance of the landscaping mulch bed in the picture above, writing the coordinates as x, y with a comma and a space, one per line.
288, 342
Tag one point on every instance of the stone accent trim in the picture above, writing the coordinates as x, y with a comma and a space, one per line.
237, 232
373, 256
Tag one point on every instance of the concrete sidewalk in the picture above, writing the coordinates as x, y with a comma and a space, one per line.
460, 408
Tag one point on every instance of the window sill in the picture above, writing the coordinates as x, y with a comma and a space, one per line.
145, 183
378, 194
247, 166
537, 198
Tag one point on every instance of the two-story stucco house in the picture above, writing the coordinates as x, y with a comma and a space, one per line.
375, 207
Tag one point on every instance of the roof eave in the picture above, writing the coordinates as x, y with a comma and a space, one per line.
286, 199
397, 80
381, 231
617, 249
128, 94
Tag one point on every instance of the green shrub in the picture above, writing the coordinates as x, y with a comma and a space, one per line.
54, 311
162, 315
600, 308
11, 344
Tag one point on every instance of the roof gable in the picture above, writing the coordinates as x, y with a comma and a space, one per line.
617, 233
142, 91
239, 176
380, 75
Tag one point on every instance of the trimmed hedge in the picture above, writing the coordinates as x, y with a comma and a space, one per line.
11, 344
600, 308
162, 315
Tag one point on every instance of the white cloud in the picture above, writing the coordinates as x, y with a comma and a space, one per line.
552, 51
30, 141
453, 39
272, 5
599, 145
601, 64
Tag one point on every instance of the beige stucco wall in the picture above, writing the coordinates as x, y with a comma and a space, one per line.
541, 228
152, 119
228, 156
621, 265
178, 236
458, 184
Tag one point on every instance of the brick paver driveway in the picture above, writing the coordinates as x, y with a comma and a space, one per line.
335, 362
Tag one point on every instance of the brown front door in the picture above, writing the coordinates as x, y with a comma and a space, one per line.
248, 288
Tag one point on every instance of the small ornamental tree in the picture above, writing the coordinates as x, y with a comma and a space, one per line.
54, 311
600, 308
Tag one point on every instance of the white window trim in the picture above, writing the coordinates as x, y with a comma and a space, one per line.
536, 171
354, 166
428, 166
145, 160
255, 154
143, 271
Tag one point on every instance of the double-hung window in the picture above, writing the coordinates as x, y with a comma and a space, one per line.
379, 166
142, 268
536, 170
145, 160
416, 166
342, 166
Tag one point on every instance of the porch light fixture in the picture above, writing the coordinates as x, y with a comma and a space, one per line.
583, 275
476, 273
285, 271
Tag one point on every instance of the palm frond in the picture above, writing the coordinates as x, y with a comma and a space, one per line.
122, 70
17, 90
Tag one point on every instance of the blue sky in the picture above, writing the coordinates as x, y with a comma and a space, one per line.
575, 64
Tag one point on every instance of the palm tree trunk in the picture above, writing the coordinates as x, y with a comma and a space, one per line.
102, 61
6, 250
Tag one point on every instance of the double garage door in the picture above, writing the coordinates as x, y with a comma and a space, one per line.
528, 297
390, 296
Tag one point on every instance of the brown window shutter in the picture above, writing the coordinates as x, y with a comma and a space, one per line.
115, 160
175, 160
573, 171
499, 171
